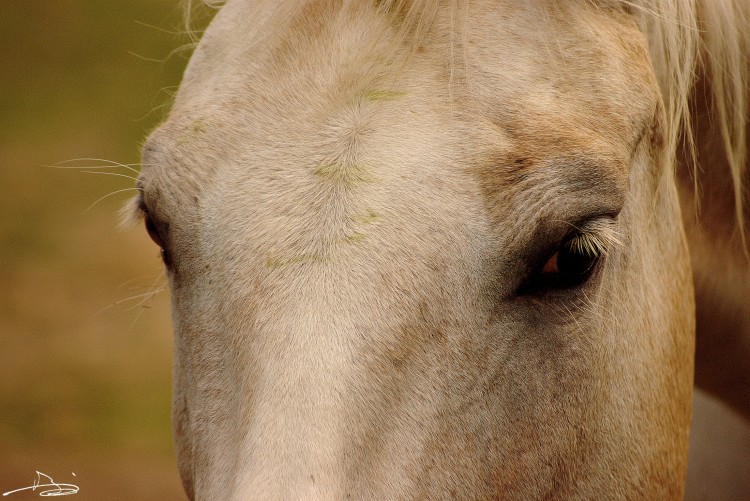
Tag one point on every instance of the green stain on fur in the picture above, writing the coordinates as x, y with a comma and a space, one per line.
368, 217
346, 174
355, 238
383, 95
198, 126
276, 263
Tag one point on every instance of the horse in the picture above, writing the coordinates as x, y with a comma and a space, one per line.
452, 249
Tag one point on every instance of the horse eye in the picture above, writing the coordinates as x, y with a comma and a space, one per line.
153, 232
571, 261
570, 266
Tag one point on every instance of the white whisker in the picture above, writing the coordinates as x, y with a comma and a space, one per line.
155, 108
176, 51
112, 174
154, 289
109, 195
132, 280
146, 297
108, 164
163, 30
149, 59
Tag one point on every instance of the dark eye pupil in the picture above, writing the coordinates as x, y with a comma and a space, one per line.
573, 262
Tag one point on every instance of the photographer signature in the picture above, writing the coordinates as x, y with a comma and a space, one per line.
51, 488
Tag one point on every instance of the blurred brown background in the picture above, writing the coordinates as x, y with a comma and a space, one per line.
85, 349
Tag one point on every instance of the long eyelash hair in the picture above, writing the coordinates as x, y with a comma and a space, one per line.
596, 238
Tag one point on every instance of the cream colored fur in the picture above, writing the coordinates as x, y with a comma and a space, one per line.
352, 193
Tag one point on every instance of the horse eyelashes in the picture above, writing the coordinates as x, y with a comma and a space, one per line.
574, 259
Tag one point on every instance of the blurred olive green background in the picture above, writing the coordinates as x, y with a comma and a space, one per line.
85, 351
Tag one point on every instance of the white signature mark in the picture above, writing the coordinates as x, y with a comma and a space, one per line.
55, 490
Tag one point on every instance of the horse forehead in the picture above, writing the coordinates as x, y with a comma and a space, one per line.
324, 83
